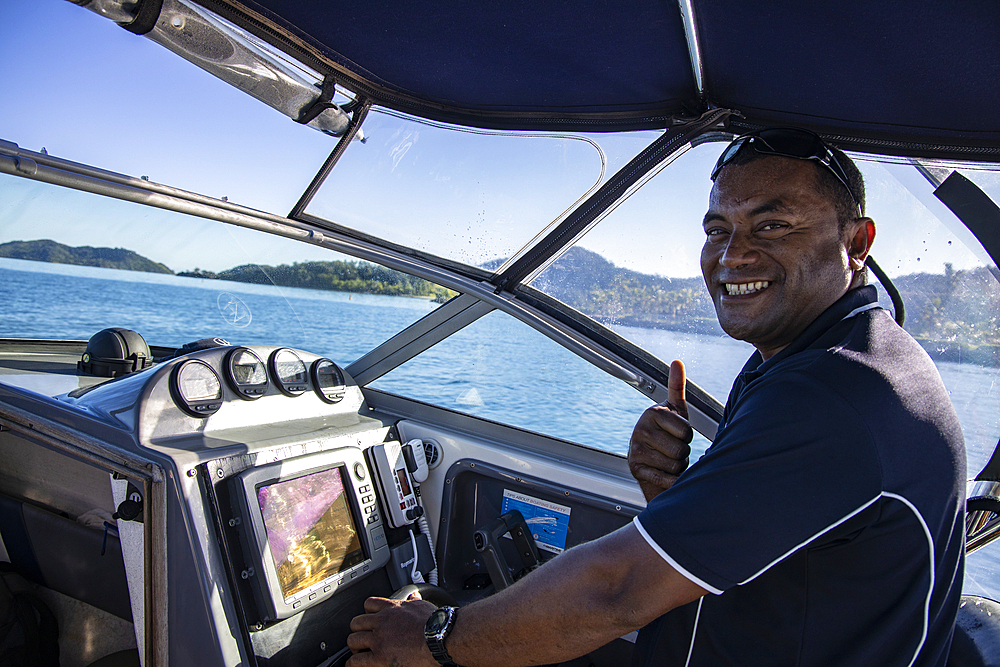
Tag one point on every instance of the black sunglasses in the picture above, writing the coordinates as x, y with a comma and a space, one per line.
788, 142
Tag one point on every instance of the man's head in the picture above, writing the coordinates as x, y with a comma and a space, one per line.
785, 240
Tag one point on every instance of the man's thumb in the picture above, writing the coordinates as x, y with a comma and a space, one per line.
676, 392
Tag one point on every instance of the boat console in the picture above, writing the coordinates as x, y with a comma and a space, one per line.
253, 497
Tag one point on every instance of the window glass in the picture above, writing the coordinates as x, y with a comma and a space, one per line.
128, 105
982, 572
987, 177
952, 297
501, 369
638, 272
72, 264
471, 196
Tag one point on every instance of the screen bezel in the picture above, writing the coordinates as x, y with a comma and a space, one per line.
268, 594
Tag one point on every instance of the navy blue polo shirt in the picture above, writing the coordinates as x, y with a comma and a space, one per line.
828, 515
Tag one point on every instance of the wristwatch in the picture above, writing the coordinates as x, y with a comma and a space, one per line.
437, 629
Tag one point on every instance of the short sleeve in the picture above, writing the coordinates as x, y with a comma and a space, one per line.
794, 462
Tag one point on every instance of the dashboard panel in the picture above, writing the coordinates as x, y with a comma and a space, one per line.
270, 506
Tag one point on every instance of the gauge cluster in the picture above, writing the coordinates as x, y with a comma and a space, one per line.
197, 386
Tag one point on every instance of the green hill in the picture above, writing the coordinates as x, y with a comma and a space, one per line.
109, 258
337, 276
951, 314
615, 295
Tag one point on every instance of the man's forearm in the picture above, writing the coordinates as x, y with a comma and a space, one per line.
581, 600
587, 597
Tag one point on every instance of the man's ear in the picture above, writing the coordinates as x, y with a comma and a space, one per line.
859, 243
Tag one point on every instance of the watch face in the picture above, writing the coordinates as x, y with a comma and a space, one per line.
437, 621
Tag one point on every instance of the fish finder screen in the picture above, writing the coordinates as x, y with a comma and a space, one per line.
310, 529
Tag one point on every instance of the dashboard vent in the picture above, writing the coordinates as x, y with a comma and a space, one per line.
432, 451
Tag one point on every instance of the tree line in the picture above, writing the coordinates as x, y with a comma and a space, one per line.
338, 276
953, 315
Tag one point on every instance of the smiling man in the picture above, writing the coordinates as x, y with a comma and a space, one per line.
776, 254
809, 533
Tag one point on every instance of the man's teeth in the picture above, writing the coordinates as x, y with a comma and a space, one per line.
746, 288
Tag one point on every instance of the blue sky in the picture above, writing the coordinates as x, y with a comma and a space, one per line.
89, 91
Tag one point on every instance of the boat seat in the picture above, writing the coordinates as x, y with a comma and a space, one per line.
59, 553
977, 634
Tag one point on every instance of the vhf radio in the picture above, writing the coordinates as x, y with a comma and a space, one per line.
393, 464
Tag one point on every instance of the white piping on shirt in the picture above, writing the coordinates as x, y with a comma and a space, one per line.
798, 546
674, 564
920, 518
697, 615
930, 589
859, 310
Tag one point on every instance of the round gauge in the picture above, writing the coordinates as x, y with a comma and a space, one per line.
197, 388
246, 373
328, 381
289, 372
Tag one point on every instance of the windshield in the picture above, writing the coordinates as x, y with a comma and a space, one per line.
73, 263
467, 195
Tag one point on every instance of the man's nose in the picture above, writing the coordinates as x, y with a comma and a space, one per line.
739, 251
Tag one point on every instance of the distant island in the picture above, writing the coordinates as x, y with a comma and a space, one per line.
57, 253
338, 276
614, 295
334, 276
951, 314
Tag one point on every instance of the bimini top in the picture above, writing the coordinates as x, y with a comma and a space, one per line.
907, 78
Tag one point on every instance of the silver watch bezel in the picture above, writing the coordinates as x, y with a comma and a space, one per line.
435, 640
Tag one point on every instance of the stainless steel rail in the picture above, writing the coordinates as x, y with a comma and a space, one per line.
982, 522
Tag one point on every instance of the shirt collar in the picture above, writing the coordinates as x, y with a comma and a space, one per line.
856, 301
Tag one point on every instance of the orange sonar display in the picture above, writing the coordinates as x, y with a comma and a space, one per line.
310, 530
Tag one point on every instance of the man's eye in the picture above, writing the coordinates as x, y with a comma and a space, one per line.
772, 227
714, 231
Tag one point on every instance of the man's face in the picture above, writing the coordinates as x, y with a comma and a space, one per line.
774, 258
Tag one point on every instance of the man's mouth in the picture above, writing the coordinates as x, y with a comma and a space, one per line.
737, 289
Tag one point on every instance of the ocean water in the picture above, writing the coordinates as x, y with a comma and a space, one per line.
496, 368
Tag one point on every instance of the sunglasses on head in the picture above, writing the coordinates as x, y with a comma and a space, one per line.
788, 142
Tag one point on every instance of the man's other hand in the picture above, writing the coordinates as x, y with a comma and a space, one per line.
660, 445
391, 634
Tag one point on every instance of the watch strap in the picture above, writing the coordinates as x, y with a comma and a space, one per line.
435, 637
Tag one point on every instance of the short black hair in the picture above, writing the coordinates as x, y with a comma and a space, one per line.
828, 185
